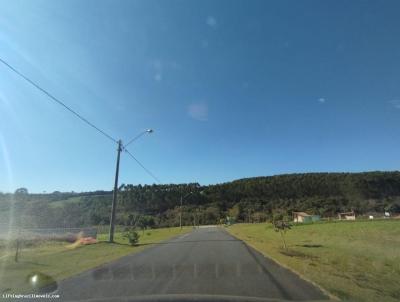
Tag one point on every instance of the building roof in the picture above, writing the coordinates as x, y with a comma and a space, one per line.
301, 214
347, 213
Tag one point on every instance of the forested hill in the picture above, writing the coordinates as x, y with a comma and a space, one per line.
250, 199
351, 186
321, 193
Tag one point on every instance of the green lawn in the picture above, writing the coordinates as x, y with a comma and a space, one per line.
59, 261
355, 261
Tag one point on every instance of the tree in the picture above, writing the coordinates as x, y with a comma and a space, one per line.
145, 222
282, 226
21, 194
234, 212
211, 215
21, 191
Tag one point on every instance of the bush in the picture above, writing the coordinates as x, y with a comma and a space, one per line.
131, 235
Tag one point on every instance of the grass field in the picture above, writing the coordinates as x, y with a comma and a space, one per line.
59, 261
60, 203
355, 261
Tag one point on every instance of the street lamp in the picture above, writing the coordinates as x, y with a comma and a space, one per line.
114, 201
182, 199
197, 214
139, 135
180, 214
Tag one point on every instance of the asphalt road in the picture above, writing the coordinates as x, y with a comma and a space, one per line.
207, 261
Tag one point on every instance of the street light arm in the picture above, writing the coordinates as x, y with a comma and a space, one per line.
137, 136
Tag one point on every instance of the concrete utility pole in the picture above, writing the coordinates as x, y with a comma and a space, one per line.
120, 147
115, 195
180, 210
180, 214
17, 247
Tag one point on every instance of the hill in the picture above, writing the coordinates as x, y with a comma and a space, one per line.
250, 199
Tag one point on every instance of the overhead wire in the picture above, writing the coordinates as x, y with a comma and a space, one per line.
55, 99
143, 167
37, 86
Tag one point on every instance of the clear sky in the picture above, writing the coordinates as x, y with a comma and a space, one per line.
233, 89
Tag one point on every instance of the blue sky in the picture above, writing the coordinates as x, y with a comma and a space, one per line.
232, 89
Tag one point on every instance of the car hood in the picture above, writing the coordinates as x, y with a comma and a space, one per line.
192, 298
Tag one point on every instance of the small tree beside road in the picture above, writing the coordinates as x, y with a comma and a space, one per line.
132, 235
282, 226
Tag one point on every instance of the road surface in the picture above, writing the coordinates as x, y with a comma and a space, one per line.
207, 261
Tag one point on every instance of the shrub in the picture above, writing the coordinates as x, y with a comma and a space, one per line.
131, 235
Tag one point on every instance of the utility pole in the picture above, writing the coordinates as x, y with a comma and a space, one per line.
119, 142
17, 247
180, 214
115, 194
180, 211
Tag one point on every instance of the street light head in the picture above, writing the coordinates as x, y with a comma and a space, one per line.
138, 136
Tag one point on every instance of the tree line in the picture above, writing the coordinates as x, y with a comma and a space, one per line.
255, 199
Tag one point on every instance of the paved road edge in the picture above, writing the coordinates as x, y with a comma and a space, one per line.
146, 248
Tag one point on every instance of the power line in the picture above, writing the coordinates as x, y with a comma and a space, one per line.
119, 142
79, 116
144, 168
57, 101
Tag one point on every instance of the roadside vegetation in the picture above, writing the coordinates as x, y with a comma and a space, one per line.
61, 259
355, 261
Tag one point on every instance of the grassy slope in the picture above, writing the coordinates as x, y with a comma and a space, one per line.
77, 199
357, 261
60, 262
61, 203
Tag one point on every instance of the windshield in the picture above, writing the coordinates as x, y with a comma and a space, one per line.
199, 150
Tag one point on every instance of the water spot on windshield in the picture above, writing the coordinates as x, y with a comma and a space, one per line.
41, 282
